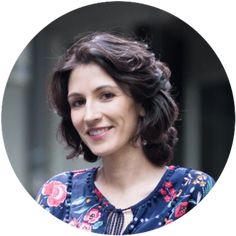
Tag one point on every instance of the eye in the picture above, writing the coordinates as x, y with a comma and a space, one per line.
107, 96
77, 103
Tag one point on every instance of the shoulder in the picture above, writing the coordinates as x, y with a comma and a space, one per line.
67, 176
189, 175
199, 181
192, 182
55, 190
182, 189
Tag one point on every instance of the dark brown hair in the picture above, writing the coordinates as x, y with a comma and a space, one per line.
136, 70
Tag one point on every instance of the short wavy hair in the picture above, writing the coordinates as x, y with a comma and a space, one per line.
137, 72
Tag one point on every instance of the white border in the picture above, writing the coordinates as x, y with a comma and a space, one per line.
21, 20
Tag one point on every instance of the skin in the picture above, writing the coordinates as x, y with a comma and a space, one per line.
97, 101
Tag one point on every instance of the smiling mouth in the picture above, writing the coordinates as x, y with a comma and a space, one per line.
98, 131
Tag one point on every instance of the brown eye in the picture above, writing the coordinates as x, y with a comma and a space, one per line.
77, 103
107, 95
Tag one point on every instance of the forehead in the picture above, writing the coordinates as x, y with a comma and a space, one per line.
89, 76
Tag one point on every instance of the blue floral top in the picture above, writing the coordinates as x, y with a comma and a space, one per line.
73, 197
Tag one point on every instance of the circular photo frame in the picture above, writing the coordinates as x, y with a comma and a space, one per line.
200, 84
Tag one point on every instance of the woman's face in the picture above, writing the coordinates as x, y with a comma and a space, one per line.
103, 115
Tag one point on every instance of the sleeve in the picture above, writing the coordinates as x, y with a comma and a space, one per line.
200, 185
53, 194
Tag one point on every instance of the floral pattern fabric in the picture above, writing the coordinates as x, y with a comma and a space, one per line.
73, 197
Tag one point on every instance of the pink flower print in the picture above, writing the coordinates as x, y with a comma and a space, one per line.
92, 216
56, 192
181, 209
167, 198
163, 191
172, 192
168, 184
168, 221
98, 193
85, 226
74, 223
172, 167
105, 203
78, 172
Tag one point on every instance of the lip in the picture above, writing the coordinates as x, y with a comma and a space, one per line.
99, 133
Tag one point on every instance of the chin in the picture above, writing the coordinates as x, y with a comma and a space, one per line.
102, 152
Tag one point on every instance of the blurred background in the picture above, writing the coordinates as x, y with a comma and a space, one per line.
202, 90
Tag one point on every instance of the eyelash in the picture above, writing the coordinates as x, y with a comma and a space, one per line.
108, 95
74, 103
105, 96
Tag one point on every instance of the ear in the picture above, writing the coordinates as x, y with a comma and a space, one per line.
141, 110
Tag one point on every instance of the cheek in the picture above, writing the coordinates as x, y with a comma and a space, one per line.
76, 121
129, 120
132, 123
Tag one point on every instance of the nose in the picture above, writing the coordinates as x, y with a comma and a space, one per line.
92, 113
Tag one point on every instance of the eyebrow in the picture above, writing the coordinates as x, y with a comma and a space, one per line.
94, 91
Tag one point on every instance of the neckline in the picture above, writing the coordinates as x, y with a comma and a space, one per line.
102, 199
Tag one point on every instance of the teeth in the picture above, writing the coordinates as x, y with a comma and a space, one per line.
98, 131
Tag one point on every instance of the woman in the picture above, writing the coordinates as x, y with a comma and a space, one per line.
113, 97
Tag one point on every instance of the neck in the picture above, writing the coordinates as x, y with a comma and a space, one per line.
122, 169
